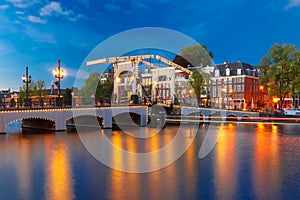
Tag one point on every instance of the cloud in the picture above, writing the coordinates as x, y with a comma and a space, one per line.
37, 20
23, 3
292, 4
77, 17
19, 12
4, 7
51, 8
54, 8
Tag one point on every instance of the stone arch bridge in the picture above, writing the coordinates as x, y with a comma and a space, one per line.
60, 116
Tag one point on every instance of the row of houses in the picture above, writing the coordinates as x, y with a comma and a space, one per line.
230, 85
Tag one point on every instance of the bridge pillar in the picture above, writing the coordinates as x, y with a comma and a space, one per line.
60, 121
143, 118
107, 118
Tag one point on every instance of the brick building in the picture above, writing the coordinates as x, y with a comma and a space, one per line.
235, 86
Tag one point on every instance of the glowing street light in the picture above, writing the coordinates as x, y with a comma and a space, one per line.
59, 74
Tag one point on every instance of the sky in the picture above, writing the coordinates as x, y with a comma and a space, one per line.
36, 33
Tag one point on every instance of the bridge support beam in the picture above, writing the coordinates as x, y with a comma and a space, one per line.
107, 122
143, 118
60, 121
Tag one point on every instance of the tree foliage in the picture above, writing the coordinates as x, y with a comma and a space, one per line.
104, 90
39, 88
90, 85
101, 90
281, 69
197, 82
196, 55
68, 97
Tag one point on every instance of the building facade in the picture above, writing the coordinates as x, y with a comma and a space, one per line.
235, 86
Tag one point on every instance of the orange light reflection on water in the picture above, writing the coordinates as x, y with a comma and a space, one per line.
226, 168
266, 163
59, 182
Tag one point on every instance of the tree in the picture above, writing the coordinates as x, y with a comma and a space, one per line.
39, 88
281, 71
68, 97
89, 88
104, 90
94, 87
197, 82
196, 55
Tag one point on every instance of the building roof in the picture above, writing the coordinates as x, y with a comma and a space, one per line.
246, 69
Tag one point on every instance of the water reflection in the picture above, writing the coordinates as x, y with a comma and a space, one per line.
59, 181
266, 163
24, 171
226, 169
250, 161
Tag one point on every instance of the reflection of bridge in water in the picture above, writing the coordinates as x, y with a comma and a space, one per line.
57, 118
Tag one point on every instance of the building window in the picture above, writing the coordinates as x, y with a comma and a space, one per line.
242, 90
214, 92
227, 72
239, 71
162, 78
219, 90
217, 73
238, 88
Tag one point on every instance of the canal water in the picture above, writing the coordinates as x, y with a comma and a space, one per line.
249, 161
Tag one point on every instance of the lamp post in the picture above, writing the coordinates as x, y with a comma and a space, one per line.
59, 74
26, 79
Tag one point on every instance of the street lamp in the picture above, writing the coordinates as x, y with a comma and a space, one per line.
26, 79
59, 74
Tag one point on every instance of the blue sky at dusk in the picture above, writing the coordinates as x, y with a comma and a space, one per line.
36, 33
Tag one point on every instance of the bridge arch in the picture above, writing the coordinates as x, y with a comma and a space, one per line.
245, 118
130, 118
196, 115
232, 117
38, 123
34, 122
85, 120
